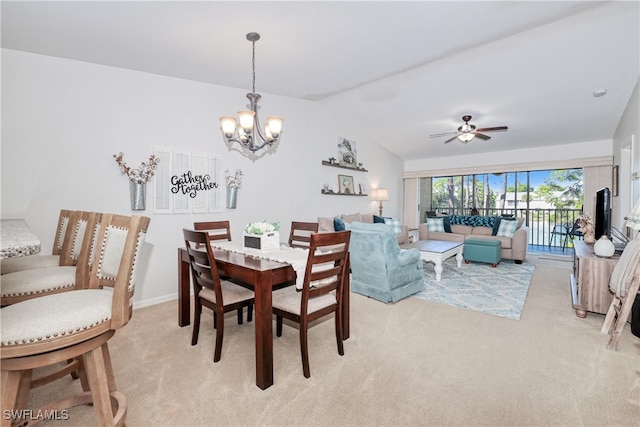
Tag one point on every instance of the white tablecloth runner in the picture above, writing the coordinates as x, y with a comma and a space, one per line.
295, 257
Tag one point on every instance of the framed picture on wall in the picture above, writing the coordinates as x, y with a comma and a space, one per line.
348, 156
345, 183
614, 181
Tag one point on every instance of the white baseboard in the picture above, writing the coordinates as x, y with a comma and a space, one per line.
154, 301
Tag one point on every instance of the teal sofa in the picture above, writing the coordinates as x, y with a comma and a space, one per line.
379, 268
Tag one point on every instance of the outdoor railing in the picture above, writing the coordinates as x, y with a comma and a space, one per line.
541, 222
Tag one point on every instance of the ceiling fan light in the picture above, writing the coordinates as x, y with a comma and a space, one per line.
466, 137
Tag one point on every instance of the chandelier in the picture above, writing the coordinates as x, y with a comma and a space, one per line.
246, 130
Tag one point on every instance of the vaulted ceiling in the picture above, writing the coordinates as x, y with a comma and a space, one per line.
396, 71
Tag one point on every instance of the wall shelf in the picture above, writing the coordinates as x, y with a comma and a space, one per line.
331, 193
336, 165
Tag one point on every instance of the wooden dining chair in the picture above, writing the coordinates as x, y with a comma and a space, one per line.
221, 296
221, 231
77, 324
300, 234
27, 284
217, 230
322, 291
62, 237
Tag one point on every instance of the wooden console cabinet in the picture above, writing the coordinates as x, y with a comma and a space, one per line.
590, 280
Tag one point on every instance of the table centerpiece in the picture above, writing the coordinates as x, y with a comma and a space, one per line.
264, 236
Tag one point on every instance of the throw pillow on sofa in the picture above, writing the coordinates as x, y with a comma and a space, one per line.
436, 225
395, 225
378, 219
498, 220
507, 228
338, 224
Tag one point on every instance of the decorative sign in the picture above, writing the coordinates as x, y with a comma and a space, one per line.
190, 184
187, 183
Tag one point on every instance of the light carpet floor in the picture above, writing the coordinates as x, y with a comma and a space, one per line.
499, 291
411, 363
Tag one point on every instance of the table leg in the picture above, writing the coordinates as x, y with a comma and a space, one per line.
345, 302
184, 295
264, 329
459, 258
438, 269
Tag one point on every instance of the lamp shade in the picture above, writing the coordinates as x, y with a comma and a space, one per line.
633, 220
466, 137
381, 194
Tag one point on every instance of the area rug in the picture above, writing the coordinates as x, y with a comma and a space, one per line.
499, 291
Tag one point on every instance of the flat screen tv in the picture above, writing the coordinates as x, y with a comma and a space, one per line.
602, 215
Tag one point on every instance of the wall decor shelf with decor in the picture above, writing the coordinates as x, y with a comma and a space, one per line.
333, 193
336, 165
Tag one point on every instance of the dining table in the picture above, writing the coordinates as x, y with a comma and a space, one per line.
17, 239
263, 275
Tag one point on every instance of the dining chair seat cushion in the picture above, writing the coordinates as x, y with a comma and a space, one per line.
40, 280
288, 299
54, 316
231, 293
12, 265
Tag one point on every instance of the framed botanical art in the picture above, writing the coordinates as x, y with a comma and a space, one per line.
345, 184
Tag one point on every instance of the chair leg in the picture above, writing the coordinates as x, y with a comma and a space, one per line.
15, 395
99, 383
250, 313
196, 323
339, 339
219, 336
278, 326
240, 316
10, 389
304, 350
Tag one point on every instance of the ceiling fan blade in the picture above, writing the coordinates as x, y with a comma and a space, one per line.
481, 136
493, 129
451, 139
437, 135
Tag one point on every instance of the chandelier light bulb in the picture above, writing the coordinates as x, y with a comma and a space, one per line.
228, 124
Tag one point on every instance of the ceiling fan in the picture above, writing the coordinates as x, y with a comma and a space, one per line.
467, 132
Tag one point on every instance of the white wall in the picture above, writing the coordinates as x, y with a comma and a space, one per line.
627, 134
63, 120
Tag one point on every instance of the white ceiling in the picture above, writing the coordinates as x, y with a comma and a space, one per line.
396, 71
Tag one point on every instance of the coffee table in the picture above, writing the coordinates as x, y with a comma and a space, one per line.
437, 251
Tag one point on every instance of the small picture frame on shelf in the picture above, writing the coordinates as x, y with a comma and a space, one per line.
345, 184
363, 189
